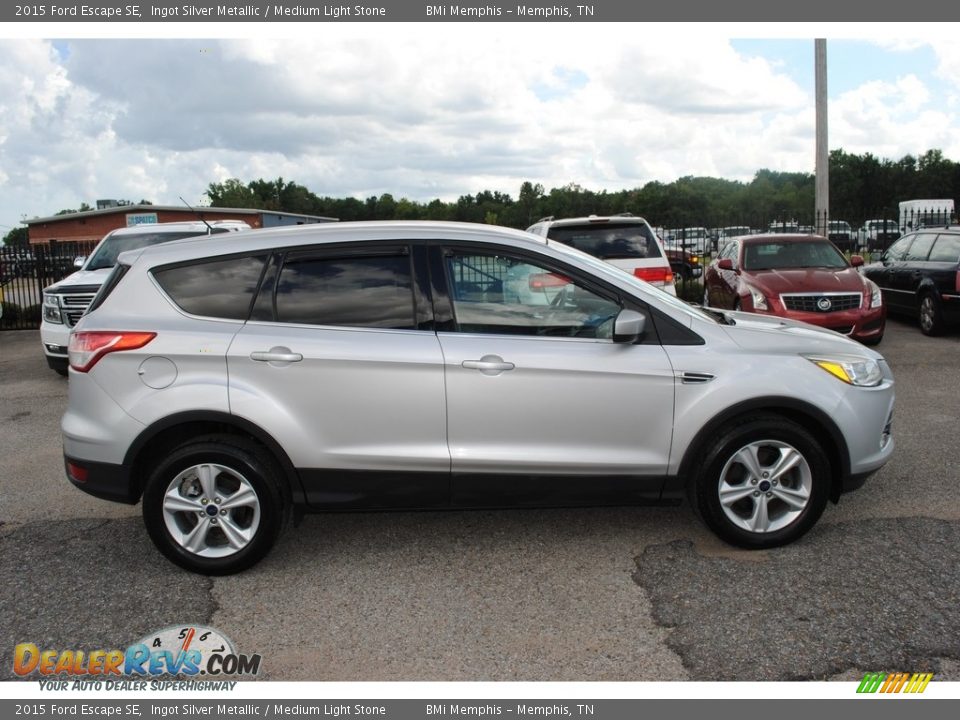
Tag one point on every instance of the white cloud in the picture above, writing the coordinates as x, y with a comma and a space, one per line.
428, 113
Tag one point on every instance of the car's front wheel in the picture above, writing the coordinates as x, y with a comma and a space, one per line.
214, 505
762, 483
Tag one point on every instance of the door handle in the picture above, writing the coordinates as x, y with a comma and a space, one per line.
276, 354
489, 365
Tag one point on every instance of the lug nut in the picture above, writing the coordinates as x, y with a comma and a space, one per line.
769, 494
753, 481
218, 501
756, 493
774, 483
223, 512
204, 501
213, 521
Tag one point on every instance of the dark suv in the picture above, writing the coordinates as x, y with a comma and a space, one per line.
919, 275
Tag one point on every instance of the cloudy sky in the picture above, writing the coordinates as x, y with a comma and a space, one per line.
445, 110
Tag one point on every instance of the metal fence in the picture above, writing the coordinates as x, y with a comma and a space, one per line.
25, 271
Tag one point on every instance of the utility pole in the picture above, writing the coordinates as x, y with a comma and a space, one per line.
822, 184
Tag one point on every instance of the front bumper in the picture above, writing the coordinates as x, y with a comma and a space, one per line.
858, 324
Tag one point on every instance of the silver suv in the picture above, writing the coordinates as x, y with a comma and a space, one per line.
229, 382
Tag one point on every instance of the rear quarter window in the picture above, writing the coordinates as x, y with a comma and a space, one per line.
214, 288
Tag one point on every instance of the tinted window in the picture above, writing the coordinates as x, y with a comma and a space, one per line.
921, 247
503, 295
609, 240
946, 249
372, 291
785, 255
218, 288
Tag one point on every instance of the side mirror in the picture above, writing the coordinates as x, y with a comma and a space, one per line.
856, 260
628, 326
79, 261
725, 264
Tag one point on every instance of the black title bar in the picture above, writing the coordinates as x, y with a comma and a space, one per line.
739, 11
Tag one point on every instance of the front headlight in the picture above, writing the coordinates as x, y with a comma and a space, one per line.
876, 297
51, 309
757, 297
859, 371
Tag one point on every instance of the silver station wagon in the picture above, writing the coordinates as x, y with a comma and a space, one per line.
230, 382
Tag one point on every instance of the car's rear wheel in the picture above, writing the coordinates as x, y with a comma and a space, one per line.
214, 505
762, 483
931, 316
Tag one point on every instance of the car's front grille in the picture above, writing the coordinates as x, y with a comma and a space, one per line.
74, 306
822, 302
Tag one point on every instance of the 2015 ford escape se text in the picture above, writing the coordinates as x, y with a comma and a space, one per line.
226, 382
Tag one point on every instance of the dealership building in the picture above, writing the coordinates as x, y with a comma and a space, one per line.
88, 227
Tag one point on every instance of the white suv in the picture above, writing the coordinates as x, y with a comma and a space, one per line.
65, 301
355, 366
624, 240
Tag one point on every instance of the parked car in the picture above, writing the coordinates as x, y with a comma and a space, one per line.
693, 239
685, 264
919, 276
841, 234
802, 277
878, 235
784, 226
64, 302
382, 365
624, 240
727, 234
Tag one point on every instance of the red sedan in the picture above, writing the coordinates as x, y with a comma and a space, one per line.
801, 277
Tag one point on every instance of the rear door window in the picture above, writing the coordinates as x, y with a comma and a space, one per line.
920, 248
362, 290
946, 249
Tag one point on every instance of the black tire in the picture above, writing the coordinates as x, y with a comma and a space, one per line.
720, 468
930, 315
235, 465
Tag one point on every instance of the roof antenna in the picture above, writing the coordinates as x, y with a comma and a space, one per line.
194, 211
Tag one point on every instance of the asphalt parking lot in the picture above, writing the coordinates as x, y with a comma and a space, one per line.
587, 594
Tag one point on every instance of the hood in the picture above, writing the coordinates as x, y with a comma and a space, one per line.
81, 277
766, 333
812, 280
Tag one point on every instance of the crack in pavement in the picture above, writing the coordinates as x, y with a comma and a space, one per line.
881, 594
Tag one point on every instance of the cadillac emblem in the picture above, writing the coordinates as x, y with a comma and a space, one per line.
824, 304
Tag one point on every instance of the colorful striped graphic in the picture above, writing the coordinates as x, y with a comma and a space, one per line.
894, 682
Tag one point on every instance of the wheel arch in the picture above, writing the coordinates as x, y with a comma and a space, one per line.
165, 434
814, 420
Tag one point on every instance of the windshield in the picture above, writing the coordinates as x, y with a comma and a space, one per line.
105, 256
609, 241
786, 255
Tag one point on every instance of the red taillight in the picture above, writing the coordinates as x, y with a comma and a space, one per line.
654, 274
76, 473
542, 281
86, 348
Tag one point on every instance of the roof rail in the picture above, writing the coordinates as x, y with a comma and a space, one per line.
548, 218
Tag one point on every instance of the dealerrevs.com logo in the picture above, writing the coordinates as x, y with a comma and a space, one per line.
181, 650
895, 682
